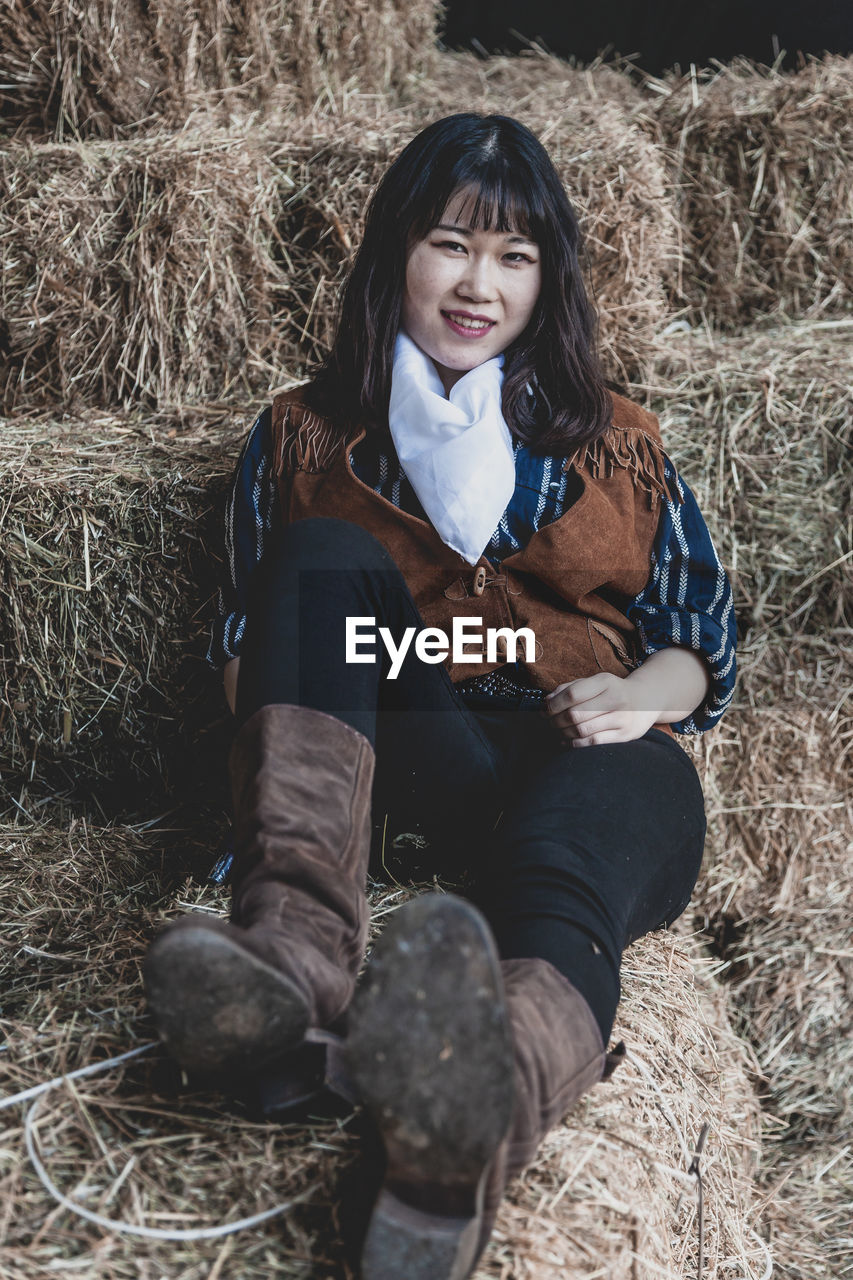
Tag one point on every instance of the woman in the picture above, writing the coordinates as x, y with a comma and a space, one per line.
457, 466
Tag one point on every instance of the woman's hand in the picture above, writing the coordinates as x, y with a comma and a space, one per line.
606, 708
598, 709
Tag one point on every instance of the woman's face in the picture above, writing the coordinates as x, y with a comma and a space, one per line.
469, 293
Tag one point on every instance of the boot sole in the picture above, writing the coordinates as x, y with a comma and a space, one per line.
220, 1010
403, 1241
430, 1050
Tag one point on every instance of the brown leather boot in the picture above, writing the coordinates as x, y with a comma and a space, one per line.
238, 996
558, 1057
464, 1064
429, 1050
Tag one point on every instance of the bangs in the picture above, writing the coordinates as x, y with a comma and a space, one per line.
487, 198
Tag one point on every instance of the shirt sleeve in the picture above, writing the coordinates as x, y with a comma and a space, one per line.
688, 601
251, 512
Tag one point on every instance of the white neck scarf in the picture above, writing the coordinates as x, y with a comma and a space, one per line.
457, 450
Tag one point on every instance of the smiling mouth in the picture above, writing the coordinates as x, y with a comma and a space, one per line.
469, 326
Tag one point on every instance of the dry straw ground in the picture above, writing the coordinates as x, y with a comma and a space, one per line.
184, 272
610, 1187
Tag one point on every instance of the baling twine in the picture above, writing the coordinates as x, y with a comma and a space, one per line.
38, 1093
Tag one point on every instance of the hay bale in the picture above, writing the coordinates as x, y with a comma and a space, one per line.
187, 266
89, 68
763, 162
111, 530
145, 271
808, 1210
762, 428
72, 68
601, 1198
776, 898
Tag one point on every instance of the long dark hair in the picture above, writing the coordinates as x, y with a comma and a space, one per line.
554, 394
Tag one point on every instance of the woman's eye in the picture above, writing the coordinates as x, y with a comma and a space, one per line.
451, 244
518, 257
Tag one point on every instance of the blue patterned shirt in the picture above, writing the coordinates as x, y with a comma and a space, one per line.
686, 601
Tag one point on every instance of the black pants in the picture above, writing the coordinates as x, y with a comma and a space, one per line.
576, 852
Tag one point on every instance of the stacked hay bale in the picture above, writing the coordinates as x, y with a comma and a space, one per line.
610, 1193
764, 164
139, 272
89, 68
763, 425
761, 161
774, 420
572, 1214
111, 535
613, 173
763, 422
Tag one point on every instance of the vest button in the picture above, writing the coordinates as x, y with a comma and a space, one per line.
479, 581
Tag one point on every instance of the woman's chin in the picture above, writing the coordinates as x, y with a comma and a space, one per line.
458, 365
451, 374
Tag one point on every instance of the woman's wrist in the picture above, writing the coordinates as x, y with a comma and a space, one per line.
670, 684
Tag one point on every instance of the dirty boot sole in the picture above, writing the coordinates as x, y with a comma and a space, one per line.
430, 1051
219, 1009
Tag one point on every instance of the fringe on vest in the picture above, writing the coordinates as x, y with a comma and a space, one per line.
308, 442
311, 443
629, 449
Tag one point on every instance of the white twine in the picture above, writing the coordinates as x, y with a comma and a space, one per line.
91, 1070
116, 1224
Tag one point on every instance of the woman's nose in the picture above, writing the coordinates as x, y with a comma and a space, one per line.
477, 281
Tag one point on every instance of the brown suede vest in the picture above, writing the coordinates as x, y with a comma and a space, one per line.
570, 584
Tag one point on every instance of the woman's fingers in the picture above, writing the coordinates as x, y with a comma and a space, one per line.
576, 719
595, 710
593, 726
599, 739
574, 705
577, 693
